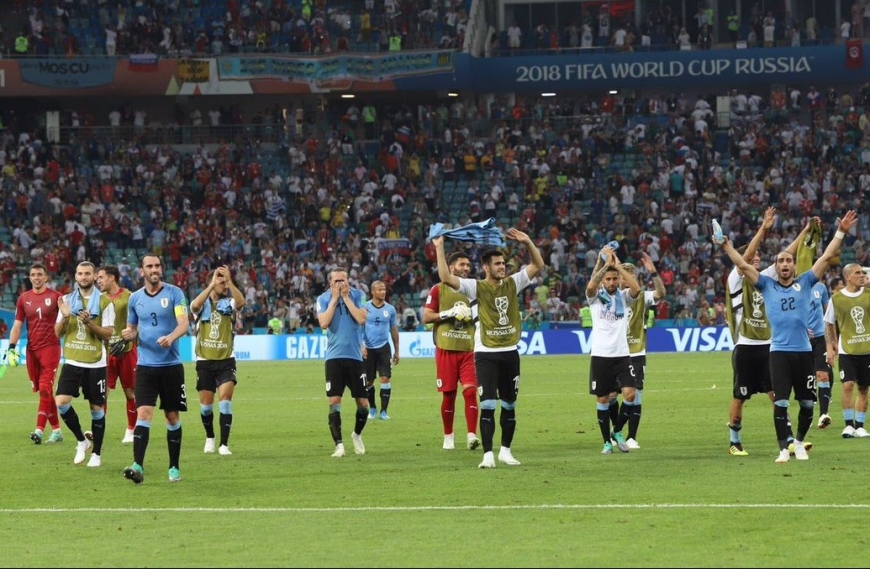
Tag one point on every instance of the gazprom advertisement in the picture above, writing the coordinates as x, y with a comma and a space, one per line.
420, 345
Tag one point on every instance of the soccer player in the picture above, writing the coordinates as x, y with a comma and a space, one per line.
381, 325
849, 312
496, 335
123, 365
157, 317
38, 308
787, 298
750, 359
816, 327
636, 321
341, 313
215, 309
85, 320
750, 330
610, 368
453, 331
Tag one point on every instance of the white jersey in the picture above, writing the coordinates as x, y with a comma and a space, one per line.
609, 331
735, 286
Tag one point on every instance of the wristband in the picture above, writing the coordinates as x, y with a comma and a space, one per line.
11, 346
654, 274
839, 234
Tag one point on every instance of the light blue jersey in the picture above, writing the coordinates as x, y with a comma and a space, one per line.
379, 322
157, 316
344, 335
820, 300
788, 309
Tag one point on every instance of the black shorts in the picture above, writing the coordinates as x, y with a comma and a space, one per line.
637, 371
167, 383
855, 368
820, 355
379, 363
609, 375
751, 365
498, 375
344, 373
793, 372
211, 374
91, 380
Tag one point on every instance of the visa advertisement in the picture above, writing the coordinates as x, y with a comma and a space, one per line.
299, 347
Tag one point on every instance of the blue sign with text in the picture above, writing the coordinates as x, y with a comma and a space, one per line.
671, 70
79, 73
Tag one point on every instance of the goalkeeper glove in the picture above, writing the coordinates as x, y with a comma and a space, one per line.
13, 358
447, 314
118, 348
460, 312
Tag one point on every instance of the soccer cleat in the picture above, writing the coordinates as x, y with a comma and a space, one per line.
135, 473
128, 436
824, 421
209, 446
224, 450
620, 442
807, 446
448, 442
488, 460
339, 451
373, 413
358, 446
55, 437
736, 449
505, 457
608, 448
82, 448
861, 433
36, 437
471, 441
783, 456
95, 461
800, 451
384, 416
849, 432
174, 474
632, 444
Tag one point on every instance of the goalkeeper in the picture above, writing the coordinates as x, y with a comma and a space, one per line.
37, 308
497, 334
449, 312
122, 354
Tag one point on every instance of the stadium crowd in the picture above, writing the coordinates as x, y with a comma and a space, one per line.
179, 28
573, 172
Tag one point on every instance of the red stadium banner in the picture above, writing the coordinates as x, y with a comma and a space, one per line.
854, 53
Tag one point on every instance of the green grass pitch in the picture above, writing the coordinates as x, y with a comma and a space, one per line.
281, 501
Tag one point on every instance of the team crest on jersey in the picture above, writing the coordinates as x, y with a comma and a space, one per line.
386, 313
48, 302
164, 302
797, 287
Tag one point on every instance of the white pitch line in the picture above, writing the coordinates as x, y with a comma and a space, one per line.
442, 508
